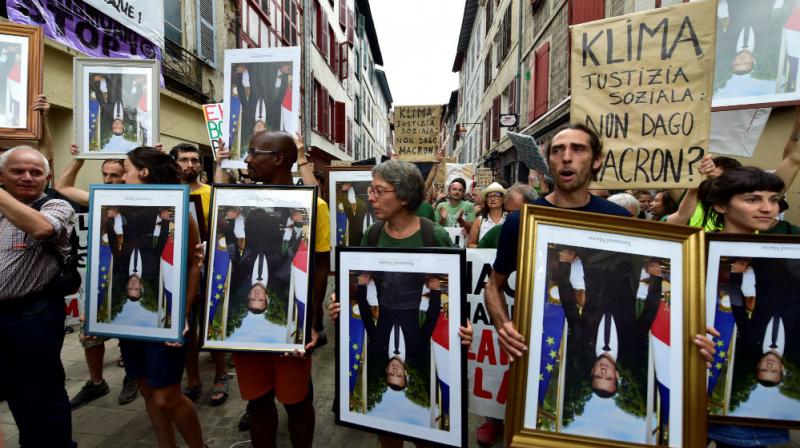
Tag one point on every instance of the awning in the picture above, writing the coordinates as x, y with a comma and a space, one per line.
528, 152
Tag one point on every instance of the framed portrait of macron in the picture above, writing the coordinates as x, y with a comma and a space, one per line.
21, 48
400, 366
753, 301
260, 250
604, 303
262, 93
136, 268
351, 211
116, 106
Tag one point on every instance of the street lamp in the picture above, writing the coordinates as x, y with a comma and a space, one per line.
461, 130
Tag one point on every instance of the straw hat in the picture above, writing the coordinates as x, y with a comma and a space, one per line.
493, 187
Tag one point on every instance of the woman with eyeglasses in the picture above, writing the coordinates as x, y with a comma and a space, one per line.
396, 192
158, 367
493, 213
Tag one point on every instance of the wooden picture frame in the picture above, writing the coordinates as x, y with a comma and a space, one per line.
116, 105
750, 280
577, 406
27, 42
429, 403
234, 317
141, 232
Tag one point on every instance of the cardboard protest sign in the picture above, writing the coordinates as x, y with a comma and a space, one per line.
74, 303
643, 83
483, 177
416, 130
213, 116
487, 363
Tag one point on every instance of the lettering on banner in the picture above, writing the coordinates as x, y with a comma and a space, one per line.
417, 133
488, 363
643, 82
213, 116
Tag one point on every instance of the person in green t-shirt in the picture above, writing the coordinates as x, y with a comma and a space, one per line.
456, 212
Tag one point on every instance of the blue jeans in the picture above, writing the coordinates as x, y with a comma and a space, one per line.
31, 373
747, 436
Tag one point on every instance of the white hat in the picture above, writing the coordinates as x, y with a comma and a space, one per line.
493, 187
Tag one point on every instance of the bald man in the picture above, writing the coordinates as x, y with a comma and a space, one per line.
262, 377
31, 302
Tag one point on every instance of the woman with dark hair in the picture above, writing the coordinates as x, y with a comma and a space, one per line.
493, 213
743, 201
156, 367
663, 205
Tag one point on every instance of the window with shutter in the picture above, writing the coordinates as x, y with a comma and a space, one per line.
315, 112
339, 130
318, 29
350, 31
206, 44
357, 110
343, 14
582, 11
487, 69
496, 119
326, 112
541, 80
360, 28
507, 32
325, 38
489, 18
344, 61
334, 61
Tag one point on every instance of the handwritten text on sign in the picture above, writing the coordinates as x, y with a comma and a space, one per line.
643, 83
487, 362
213, 116
416, 130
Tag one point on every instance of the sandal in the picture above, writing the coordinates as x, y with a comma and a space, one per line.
221, 389
193, 392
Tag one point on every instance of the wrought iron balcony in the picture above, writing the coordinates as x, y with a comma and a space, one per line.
183, 72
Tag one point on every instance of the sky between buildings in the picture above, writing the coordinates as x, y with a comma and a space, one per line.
418, 40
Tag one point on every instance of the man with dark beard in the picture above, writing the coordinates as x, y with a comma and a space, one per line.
188, 158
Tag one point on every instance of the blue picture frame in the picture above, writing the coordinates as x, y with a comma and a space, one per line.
100, 256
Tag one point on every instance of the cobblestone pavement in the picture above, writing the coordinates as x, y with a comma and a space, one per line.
105, 424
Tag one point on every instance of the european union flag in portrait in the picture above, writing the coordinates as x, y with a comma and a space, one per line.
219, 275
356, 348
553, 326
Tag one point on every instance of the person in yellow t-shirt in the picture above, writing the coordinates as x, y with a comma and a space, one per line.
188, 158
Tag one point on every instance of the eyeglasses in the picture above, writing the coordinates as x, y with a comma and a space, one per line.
377, 191
256, 151
494, 196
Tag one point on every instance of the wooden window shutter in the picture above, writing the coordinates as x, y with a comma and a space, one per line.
360, 28
325, 38
333, 49
206, 41
350, 24
315, 111
582, 11
340, 130
541, 80
343, 14
344, 61
496, 119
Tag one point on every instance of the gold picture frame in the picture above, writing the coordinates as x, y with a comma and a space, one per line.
683, 249
22, 53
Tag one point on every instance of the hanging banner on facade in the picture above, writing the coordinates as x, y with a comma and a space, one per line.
416, 130
80, 26
73, 303
643, 81
213, 116
487, 362
146, 17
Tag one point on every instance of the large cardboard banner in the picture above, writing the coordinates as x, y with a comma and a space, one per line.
416, 131
643, 81
487, 362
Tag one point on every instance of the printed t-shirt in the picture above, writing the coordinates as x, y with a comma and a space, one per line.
452, 212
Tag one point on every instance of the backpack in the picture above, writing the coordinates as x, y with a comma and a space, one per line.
425, 224
69, 279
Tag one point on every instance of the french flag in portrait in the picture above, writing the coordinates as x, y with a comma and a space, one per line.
440, 344
300, 278
660, 342
287, 125
104, 272
166, 271
219, 275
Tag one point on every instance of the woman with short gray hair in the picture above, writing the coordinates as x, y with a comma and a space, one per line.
405, 179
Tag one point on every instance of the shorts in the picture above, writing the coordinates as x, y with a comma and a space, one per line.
159, 364
92, 341
260, 373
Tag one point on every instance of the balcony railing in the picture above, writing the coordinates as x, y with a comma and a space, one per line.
183, 72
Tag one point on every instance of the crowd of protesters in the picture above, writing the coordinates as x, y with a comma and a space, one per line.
36, 225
